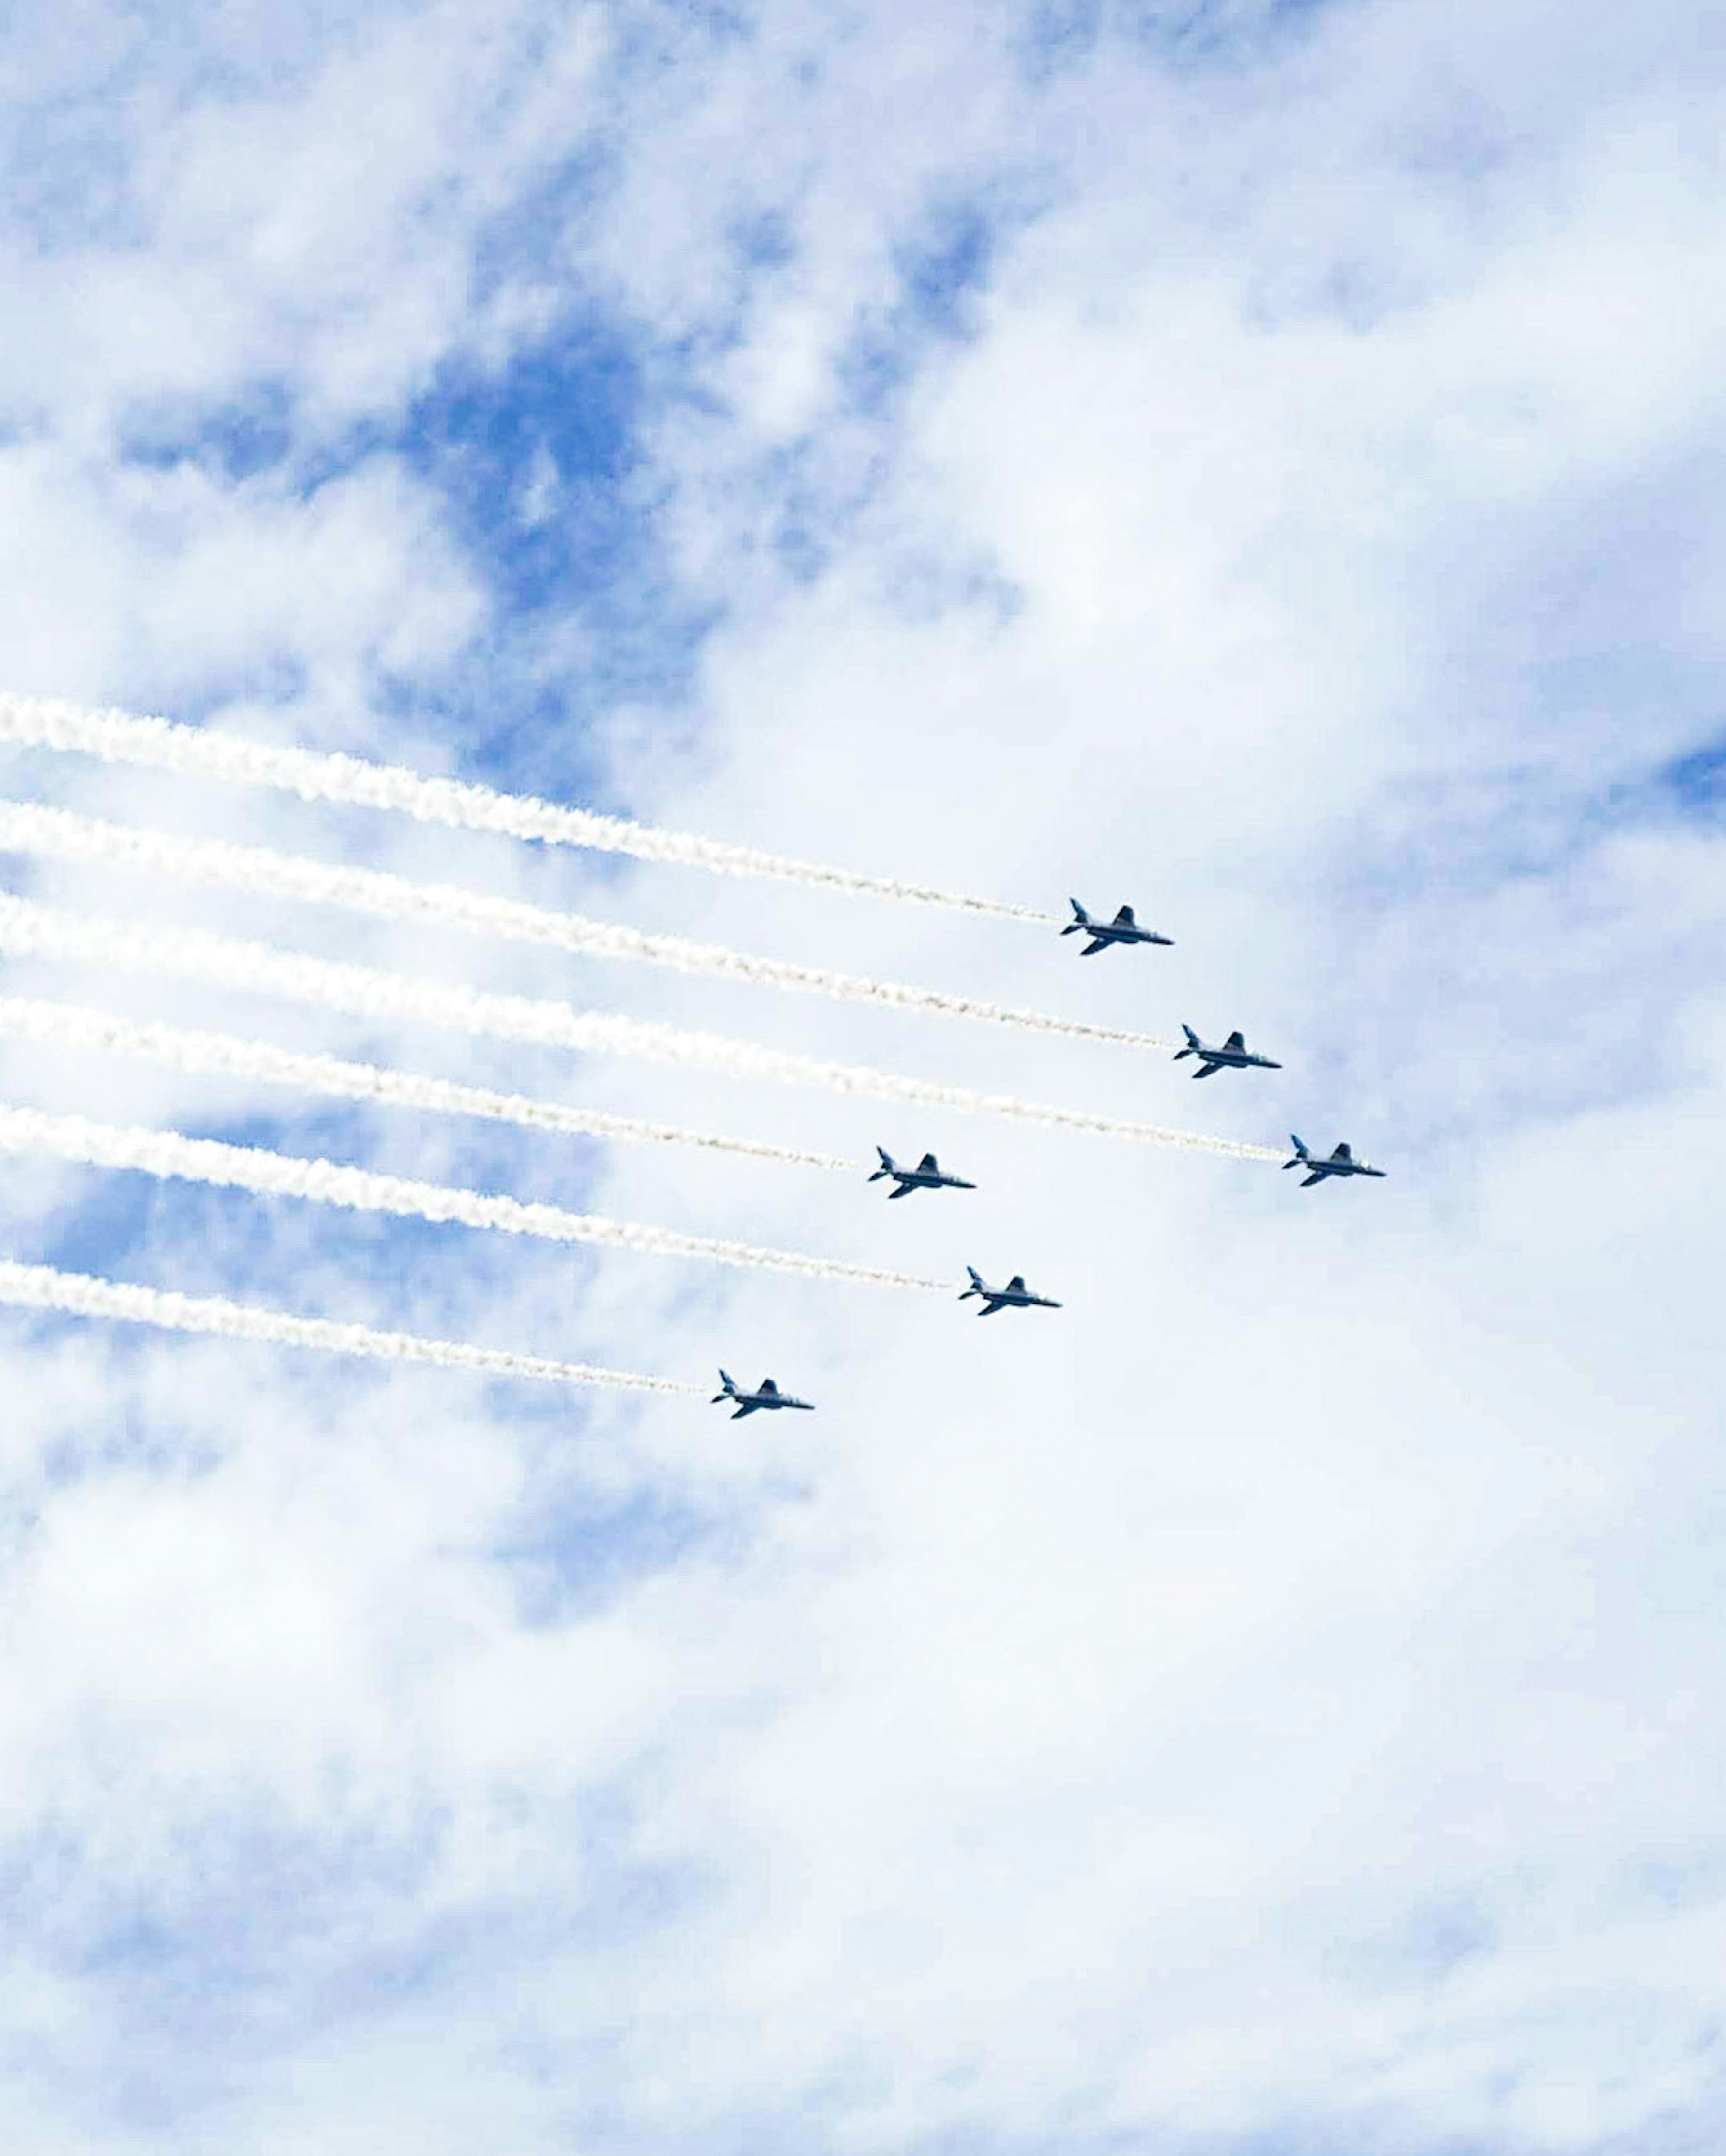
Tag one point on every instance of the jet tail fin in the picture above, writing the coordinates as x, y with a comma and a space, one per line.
1300, 1150
1081, 919
887, 1164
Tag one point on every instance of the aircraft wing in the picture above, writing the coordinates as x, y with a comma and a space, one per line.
749, 1407
927, 1165
1207, 1070
991, 1309
1091, 950
1317, 1176
901, 1190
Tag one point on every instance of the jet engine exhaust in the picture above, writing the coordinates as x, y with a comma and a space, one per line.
85, 1295
368, 992
27, 826
72, 1025
172, 1155
163, 745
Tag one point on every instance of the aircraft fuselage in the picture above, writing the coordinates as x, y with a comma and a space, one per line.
1104, 931
1122, 929
1234, 1055
1015, 1296
1320, 1167
927, 1175
1231, 1059
766, 1395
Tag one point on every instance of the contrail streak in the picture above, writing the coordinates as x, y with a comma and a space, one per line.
28, 930
72, 1025
30, 828
162, 745
172, 1155
81, 1295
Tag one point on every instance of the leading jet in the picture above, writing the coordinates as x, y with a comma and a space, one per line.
766, 1395
1342, 1162
1015, 1296
1233, 1055
1122, 929
927, 1175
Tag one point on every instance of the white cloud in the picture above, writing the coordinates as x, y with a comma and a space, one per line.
1272, 1697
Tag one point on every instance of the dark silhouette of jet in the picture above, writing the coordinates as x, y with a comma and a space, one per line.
925, 1176
766, 1395
1122, 929
1015, 1296
1233, 1055
1342, 1162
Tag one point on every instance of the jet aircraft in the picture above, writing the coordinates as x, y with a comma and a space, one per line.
1015, 1296
1342, 1162
1234, 1055
1122, 929
766, 1395
925, 1176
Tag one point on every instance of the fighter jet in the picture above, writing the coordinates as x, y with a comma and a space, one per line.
925, 1176
1015, 1296
1233, 1055
1122, 929
766, 1395
1342, 1162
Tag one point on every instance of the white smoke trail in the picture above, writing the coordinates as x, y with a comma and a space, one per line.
30, 828
162, 745
28, 930
82, 1295
71, 1025
171, 1155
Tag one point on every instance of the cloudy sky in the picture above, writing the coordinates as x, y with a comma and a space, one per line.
1257, 459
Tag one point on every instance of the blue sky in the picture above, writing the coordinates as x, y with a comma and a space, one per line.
1251, 461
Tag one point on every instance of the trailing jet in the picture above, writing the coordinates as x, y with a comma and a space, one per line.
1342, 1162
1233, 1055
925, 1176
766, 1395
1122, 929
1015, 1296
